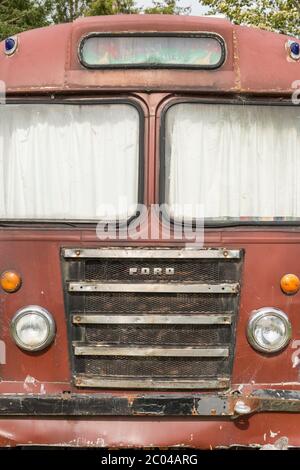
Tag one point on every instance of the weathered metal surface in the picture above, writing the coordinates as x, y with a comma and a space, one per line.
39, 263
35, 254
60, 70
278, 400
161, 355
137, 432
208, 253
110, 350
109, 405
260, 401
34, 251
230, 288
146, 319
121, 383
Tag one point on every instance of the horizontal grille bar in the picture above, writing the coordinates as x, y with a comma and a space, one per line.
90, 286
209, 253
148, 319
149, 351
177, 383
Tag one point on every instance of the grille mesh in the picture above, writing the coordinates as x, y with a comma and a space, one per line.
118, 270
151, 367
158, 334
157, 303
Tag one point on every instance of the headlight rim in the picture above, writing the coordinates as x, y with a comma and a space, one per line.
263, 312
37, 310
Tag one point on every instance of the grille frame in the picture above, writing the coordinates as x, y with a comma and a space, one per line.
78, 304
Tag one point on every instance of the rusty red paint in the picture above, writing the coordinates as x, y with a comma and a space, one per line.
277, 252
34, 253
55, 50
38, 261
143, 432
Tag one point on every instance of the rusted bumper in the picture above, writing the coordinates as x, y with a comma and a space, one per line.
217, 405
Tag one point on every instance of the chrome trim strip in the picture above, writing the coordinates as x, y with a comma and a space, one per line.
207, 253
146, 383
148, 319
156, 288
108, 350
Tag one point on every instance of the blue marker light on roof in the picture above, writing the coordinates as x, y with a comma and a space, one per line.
294, 49
10, 45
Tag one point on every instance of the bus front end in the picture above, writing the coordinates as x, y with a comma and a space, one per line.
150, 235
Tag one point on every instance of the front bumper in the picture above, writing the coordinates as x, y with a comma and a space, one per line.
231, 406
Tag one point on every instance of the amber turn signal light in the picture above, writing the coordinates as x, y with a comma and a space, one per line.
290, 284
10, 281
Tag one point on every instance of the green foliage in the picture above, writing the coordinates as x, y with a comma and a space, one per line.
278, 15
65, 11
112, 7
20, 15
167, 7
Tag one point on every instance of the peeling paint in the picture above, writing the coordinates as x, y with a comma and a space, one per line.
296, 355
280, 444
281, 384
2, 353
84, 442
6, 435
32, 385
29, 381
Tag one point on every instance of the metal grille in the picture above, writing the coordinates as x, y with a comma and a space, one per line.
157, 303
203, 335
158, 334
151, 367
184, 270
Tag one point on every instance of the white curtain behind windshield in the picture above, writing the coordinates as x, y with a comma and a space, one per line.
240, 162
75, 162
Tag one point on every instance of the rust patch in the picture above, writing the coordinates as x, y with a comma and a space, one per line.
236, 62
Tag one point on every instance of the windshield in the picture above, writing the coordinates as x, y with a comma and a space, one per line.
68, 162
238, 162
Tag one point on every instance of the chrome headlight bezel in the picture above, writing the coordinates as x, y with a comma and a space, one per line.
263, 313
36, 310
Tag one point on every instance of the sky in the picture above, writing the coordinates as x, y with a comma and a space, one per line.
197, 9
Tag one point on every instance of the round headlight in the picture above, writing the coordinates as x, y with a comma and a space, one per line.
33, 328
269, 330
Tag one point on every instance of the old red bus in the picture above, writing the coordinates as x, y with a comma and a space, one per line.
145, 337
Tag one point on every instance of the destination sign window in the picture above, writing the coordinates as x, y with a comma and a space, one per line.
206, 51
